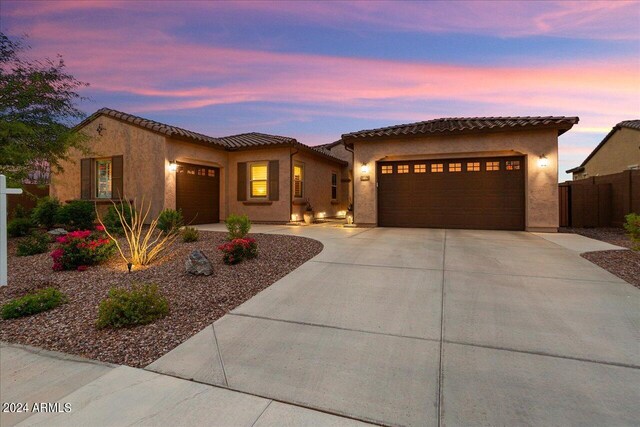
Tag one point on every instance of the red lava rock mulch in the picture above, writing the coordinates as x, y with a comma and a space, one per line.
194, 301
624, 264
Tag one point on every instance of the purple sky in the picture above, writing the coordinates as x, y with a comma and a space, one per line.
315, 70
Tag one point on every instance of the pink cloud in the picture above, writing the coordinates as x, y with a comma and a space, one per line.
579, 19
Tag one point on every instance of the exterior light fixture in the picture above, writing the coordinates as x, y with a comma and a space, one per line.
364, 169
294, 217
543, 162
129, 266
173, 166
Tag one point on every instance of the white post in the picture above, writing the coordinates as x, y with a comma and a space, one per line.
3, 226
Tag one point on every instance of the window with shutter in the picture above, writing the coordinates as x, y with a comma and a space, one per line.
258, 180
334, 186
298, 180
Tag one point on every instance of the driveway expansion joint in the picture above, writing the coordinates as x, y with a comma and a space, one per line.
545, 354
441, 354
618, 282
215, 339
374, 265
318, 325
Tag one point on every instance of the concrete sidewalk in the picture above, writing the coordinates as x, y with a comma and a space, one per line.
108, 395
433, 327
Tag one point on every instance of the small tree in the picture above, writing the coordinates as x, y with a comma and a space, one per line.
633, 228
37, 110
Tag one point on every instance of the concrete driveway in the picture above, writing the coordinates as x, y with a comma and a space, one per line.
433, 327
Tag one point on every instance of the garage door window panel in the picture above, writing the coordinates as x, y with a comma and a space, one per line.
420, 168
258, 180
437, 167
493, 166
403, 168
512, 165
387, 169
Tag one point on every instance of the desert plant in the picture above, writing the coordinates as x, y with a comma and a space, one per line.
45, 212
32, 303
36, 243
170, 220
632, 225
144, 244
190, 234
112, 221
19, 227
238, 249
238, 226
79, 249
138, 306
76, 215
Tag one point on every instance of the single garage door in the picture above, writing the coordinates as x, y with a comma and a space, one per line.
198, 193
474, 193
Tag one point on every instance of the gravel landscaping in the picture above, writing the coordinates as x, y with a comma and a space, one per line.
624, 264
194, 301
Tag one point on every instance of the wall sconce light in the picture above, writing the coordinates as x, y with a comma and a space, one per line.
364, 169
294, 217
543, 162
173, 166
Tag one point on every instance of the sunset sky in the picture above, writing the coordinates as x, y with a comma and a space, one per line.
315, 70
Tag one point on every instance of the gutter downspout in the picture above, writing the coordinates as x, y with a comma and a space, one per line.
291, 182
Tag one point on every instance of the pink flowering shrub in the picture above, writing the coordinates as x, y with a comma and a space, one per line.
238, 249
79, 249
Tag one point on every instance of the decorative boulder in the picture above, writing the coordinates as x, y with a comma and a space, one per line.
57, 232
198, 264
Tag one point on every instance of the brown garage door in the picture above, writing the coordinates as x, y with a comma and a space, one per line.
198, 193
474, 193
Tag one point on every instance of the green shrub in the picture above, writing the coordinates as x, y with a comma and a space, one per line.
19, 227
632, 225
190, 234
77, 215
36, 243
170, 220
20, 212
45, 212
138, 306
238, 226
32, 303
112, 221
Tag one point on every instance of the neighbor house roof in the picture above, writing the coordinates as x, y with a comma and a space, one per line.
233, 142
630, 124
152, 125
467, 125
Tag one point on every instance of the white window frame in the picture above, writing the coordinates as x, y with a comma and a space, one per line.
250, 181
302, 179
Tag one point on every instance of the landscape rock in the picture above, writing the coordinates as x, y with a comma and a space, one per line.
198, 264
57, 232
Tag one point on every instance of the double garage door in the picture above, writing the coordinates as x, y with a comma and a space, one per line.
198, 193
474, 193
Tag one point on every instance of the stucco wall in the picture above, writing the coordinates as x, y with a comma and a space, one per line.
541, 184
346, 187
143, 161
277, 211
188, 152
617, 154
317, 186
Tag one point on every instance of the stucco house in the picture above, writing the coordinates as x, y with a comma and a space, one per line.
267, 177
618, 151
478, 173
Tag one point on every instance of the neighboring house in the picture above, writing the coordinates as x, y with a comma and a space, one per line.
267, 177
618, 151
478, 173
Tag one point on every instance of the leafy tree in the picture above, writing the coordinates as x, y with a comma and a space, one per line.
37, 110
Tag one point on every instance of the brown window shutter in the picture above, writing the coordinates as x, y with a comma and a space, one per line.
242, 181
116, 178
85, 179
274, 179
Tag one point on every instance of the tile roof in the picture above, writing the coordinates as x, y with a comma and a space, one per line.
233, 142
255, 139
152, 125
466, 124
631, 124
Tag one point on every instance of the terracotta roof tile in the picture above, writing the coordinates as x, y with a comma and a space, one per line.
464, 124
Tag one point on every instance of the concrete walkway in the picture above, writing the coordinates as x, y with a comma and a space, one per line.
433, 327
108, 395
